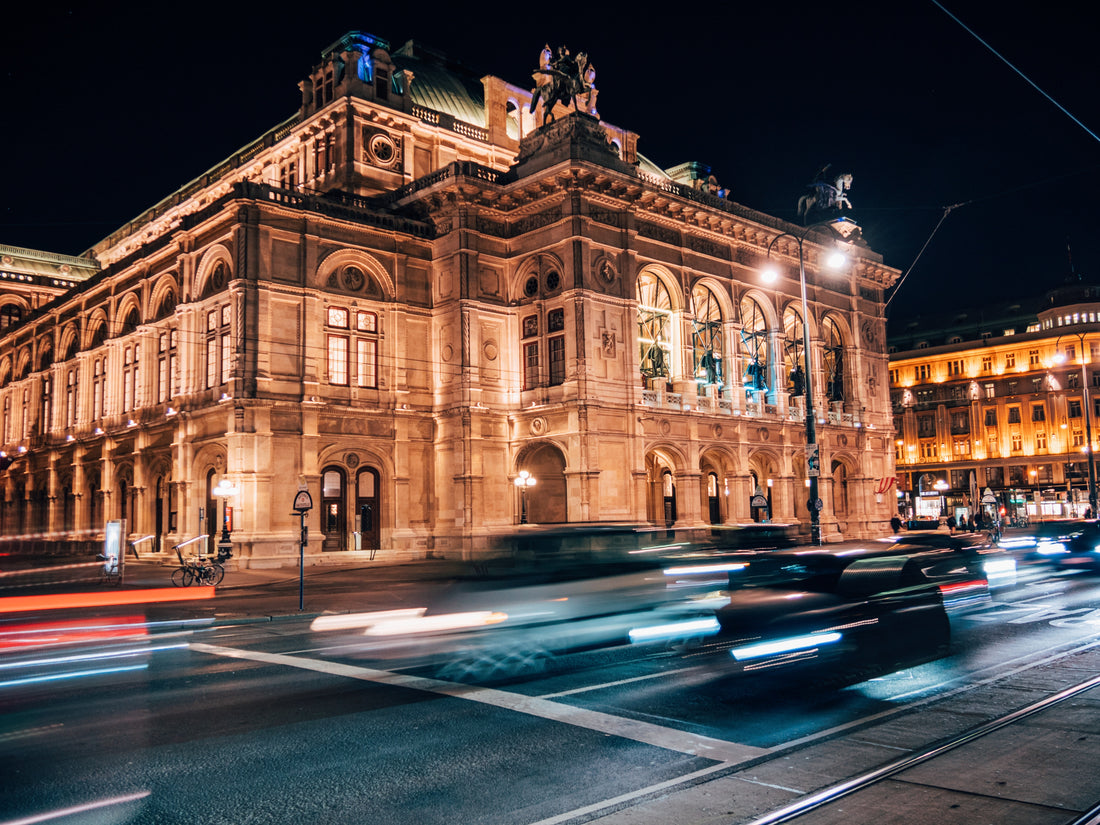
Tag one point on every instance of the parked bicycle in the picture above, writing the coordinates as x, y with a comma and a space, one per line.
198, 570
111, 572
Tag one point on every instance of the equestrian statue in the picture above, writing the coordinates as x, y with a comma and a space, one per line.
821, 194
562, 78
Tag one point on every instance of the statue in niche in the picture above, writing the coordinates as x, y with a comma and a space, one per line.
755, 376
797, 380
836, 380
562, 78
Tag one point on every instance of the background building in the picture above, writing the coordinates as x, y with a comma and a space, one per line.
1005, 397
407, 294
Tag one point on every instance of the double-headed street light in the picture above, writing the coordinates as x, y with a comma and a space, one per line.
843, 228
1061, 358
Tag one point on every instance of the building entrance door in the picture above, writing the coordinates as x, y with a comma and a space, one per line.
368, 509
333, 516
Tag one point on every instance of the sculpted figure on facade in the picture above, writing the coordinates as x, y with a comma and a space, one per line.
563, 78
823, 194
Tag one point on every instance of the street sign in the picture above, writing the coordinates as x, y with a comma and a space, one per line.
758, 501
303, 501
813, 460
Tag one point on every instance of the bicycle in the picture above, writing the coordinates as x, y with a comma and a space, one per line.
202, 571
110, 573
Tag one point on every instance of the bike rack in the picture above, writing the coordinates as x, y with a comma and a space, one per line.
136, 542
177, 547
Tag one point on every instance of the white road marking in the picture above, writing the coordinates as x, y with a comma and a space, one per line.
630, 797
644, 732
604, 685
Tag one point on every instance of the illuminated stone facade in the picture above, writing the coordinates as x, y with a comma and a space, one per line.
406, 294
1004, 399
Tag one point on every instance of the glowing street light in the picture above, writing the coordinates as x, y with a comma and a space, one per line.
523, 481
843, 228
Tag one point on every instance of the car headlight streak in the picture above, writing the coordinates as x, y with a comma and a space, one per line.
675, 630
788, 645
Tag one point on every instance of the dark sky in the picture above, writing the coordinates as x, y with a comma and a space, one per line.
108, 111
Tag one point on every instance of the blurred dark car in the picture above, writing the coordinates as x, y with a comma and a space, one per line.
856, 609
1071, 544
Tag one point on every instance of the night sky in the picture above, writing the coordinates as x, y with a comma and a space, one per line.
108, 111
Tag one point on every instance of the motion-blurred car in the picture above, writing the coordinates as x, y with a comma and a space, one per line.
854, 609
1073, 544
552, 592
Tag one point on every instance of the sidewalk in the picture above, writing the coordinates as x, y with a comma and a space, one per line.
264, 594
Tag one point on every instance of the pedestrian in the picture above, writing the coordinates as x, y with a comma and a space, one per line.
951, 524
895, 524
970, 523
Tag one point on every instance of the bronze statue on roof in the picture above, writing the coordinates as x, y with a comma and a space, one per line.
823, 194
563, 78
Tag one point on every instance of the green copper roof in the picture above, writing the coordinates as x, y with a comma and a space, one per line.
444, 87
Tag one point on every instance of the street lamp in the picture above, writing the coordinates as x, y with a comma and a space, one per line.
1061, 358
844, 228
224, 490
523, 481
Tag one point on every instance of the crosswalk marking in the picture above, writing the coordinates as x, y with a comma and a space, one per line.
635, 730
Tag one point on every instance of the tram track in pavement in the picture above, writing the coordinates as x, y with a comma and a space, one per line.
779, 786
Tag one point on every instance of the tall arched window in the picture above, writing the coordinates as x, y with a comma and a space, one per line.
754, 345
706, 338
654, 327
794, 348
833, 356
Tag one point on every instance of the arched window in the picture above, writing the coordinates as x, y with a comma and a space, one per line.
706, 338
654, 327
833, 356
794, 349
754, 343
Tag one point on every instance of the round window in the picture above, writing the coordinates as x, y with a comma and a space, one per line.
531, 288
383, 148
553, 280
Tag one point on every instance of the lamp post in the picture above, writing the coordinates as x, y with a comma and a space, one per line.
224, 491
1034, 475
844, 228
1061, 358
523, 481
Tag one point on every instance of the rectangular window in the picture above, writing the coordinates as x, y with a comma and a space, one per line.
225, 356
366, 322
1078, 438
71, 396
1017, 443
338, 360
1010, 360
1013, 415
98, 367
1073, 408
367, 363
1073, 380
557, 360
1040, 440
991, 417
990, 391
1033, 358
212, 363
987, 363
1038, 413
962, 446
530, 365
530, 326
338, 317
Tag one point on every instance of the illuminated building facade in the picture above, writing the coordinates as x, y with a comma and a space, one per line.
405, 296
1004, 398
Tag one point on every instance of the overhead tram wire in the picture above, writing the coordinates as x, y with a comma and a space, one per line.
1005, 60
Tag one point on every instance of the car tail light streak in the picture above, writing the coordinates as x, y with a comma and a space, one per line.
788, 645
960, 595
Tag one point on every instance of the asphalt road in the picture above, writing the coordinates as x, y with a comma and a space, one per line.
268, 722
